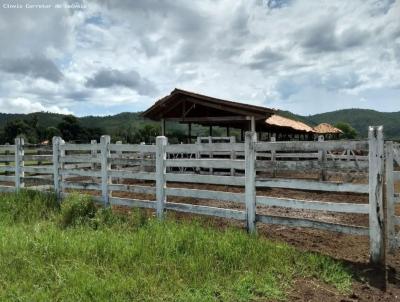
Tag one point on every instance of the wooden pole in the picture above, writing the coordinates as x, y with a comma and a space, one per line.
250, 181
389, 198
163, 127
376, 214
232, 140
252, 124
322, 160
211, 130
56, 166
190, 133
273, 157
105, 167
93, 153
161, 182
19, 163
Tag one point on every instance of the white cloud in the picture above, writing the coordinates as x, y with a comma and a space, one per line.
21, 105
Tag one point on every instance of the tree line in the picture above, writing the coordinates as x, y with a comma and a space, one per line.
71, 129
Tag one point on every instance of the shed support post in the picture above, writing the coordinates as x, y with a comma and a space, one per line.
161, 181
163, 127
211, 131
105, 167
252, 124
376, 210
19, 163
250, 181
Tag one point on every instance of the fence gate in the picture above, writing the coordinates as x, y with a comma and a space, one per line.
392, 176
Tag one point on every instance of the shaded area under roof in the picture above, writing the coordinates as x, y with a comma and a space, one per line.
188, 107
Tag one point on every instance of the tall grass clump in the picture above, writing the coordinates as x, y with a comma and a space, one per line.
27, 206
77, 209
98, 255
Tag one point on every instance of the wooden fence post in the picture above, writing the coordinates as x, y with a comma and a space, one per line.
7, 163
93, 154
322, 160
389, 198
161, 181
376, 210
211, 154
142, 159
198, 154
19, 163
56, 166
105, 166
119, 156
273, 157
232, 140
250, 180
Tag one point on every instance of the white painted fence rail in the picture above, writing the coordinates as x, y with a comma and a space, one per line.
104, 167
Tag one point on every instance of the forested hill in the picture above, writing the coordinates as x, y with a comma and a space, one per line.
360, 119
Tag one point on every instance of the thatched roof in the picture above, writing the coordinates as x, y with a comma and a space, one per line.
276, 120
325, 128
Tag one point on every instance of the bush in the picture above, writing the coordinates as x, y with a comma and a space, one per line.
77, 209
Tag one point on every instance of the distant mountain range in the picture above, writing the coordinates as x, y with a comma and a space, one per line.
360, 119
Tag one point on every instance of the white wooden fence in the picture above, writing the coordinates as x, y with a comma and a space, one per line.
392, 154
105, 167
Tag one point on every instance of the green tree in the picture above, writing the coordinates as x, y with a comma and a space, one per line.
147, 134
16, 128
348, 131
70, 128
50, 132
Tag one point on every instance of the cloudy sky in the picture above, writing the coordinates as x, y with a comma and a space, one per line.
105, 57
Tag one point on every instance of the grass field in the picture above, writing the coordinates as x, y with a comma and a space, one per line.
80, 253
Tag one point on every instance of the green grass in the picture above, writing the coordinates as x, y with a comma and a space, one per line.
48, 253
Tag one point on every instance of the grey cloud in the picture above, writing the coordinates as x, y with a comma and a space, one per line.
323, 37
105, 78
266, 58
337, 81
35, 67
175, 21
273, 4
32, 31
320, 36
333, 82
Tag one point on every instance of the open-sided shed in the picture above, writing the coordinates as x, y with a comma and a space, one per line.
192, 108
